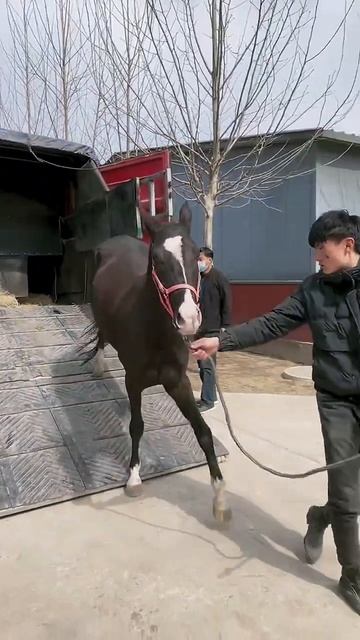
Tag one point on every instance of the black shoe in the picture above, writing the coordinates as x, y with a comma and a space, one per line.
204, 406
314, 537
349, 589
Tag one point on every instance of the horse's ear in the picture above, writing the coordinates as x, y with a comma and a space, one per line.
185, 217
152, 224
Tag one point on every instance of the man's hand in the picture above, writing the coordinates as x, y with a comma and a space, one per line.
204, 347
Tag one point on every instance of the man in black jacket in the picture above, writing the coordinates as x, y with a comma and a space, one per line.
215, 306
329, 302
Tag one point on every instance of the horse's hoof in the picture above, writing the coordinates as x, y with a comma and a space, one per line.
133, 491
222, 516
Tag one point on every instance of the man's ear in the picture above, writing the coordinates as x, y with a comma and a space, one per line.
152, 224
350, 243
185, 217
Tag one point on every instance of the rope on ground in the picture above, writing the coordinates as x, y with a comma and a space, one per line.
274, 472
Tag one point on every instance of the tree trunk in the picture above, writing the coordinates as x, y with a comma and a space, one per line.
208, 222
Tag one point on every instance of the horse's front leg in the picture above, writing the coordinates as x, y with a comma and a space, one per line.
134, 486
184, 398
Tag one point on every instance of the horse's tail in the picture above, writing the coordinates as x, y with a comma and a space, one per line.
92, 347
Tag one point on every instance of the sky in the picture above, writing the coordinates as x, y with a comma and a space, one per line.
329, 16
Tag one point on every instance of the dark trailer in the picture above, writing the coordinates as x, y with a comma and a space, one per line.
55, 208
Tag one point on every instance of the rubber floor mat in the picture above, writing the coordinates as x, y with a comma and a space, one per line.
65, 434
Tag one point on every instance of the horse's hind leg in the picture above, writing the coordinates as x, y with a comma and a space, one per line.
134, 485
184, 398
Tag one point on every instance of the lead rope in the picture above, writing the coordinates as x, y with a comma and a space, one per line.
274, 472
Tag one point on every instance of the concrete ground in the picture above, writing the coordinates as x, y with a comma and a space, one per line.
157, 568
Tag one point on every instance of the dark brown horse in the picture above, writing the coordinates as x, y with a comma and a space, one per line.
144, 302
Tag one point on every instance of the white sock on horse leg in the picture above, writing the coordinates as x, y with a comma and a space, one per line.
134, 477
220, 497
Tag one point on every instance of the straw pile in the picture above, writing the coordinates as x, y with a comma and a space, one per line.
36, 300
8, 300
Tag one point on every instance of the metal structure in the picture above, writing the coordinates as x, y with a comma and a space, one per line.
57, 205
64, 434
151, 174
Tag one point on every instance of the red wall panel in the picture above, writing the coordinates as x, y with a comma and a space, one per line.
251, 300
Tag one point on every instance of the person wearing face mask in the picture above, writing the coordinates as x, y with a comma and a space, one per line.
215, 307
329, 302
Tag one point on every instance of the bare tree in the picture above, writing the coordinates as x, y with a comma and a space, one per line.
48, 56
5, 113
207, 82
21, 104
119, 68
62, 70
144, 73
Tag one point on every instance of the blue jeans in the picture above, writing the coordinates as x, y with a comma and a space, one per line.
208, 390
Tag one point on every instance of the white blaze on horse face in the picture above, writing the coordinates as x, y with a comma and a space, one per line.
174, 246
188, 310
189, 314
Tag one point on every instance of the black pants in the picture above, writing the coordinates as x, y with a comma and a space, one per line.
208, 389
340, 422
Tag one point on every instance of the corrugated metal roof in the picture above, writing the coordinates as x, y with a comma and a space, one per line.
326, 134
296, 135
282, 137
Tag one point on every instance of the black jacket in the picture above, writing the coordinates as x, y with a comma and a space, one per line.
215, 302
330, 305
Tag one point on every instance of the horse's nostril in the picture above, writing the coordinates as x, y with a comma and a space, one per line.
178, 319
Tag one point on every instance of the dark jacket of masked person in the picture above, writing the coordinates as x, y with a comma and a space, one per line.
215, 303
330, 305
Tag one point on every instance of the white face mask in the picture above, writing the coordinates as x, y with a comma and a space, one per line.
202, 266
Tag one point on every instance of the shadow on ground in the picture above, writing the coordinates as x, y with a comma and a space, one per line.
255, 540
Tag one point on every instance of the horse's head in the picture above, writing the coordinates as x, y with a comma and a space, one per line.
175, 270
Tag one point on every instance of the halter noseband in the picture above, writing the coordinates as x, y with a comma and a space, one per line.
165, 292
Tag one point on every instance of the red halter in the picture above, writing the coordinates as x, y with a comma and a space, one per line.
164, 293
